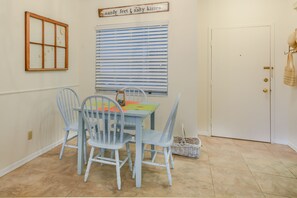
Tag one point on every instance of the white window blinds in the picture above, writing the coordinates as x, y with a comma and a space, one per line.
132, 56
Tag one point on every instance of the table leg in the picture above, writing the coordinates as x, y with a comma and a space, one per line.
152, 128
138, 158
80, 144
153, 121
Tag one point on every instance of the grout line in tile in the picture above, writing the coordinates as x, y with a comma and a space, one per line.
259, 186
257, 182
214, 192
278, 176
274, 195
292, 172
275, 176
269, 173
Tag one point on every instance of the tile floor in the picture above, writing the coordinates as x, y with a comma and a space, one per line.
226, 168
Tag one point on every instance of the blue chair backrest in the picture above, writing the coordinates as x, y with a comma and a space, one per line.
104, 119
67, 100
135, 94
168, 129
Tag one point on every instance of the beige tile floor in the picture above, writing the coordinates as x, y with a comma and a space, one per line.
226, 168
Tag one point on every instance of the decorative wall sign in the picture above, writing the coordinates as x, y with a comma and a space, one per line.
46, 44
134, 9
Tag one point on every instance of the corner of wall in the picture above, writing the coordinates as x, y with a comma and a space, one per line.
293, 146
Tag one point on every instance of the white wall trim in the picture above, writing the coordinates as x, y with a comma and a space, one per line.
30, 157
293, 146
272, 85
284, 142
209, 72
35, 90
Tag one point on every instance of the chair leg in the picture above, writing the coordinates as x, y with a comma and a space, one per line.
117, 158
171, 158
129, 156
153, 153
102, 151
63, 145
112, 154
85, 149
166, 158
134, 170
89, 164
143, 145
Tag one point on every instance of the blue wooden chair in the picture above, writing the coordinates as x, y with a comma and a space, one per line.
67, 100
162, 139
135, 94
103, 116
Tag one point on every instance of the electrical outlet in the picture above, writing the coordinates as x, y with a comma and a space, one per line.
30, 135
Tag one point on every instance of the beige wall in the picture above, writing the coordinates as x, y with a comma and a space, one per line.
183, 61
27, 99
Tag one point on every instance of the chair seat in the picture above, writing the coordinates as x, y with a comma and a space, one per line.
118, 145
155, 137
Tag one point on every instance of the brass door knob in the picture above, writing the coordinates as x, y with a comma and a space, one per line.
265, 79
265, 90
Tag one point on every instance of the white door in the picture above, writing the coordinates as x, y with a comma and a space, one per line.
240, 95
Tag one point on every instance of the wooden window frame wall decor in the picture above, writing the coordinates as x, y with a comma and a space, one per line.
57, 50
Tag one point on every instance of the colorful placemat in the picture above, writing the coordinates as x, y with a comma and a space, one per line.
144, 107
130, 105
105, 104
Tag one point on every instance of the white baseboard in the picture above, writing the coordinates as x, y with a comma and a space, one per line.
279, 142
32, 156
293, 146
206, 133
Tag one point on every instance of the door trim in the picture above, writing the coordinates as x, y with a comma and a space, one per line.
272, 86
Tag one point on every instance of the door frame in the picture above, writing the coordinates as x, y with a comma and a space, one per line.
272, 74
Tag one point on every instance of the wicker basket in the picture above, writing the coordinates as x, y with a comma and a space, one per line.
189, 147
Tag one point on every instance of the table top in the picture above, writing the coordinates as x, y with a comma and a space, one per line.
137, 109
143, 108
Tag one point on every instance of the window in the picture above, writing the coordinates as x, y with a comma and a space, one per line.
46, 44
132, 55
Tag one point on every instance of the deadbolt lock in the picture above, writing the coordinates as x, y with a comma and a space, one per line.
265, 79
265, 90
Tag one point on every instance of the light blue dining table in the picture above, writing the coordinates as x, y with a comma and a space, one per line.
134, 113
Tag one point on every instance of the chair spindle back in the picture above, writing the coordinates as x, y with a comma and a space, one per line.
104, 119
67, 100
168, 129
135, 94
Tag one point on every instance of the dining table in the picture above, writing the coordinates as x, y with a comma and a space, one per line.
135, 113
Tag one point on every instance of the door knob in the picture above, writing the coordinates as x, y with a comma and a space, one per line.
265, 90
265, 79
